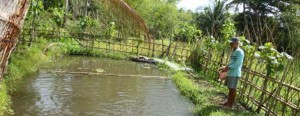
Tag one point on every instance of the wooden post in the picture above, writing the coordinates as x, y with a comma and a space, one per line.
138, 47
175, 49
246, 77
32, 29
162, 46
149, 47
153, 47
132, 48
182, 50
66, 12
277, 93
264, 87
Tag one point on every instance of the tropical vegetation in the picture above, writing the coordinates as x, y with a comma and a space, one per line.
268, 28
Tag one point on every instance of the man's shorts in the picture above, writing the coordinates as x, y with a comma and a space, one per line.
231, 82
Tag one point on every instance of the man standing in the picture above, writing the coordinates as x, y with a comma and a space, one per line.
234, 71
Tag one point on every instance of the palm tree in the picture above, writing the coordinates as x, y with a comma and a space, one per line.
214, 17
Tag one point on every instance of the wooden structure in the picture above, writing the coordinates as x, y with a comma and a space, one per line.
117, 44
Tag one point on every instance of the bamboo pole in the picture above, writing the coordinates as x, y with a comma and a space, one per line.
277, 93
153, 47
110, 74
175, 50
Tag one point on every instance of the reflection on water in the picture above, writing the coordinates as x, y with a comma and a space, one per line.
56, 94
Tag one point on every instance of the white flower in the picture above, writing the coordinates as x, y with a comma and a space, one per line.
273, 49
287, 55
272, 57
256, 54
261, 47
247, 41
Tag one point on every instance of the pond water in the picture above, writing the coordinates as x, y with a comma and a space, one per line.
53, 93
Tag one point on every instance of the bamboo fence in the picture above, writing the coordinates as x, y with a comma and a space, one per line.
279, 96
117, 44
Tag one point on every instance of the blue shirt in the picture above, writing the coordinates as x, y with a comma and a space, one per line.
236, 63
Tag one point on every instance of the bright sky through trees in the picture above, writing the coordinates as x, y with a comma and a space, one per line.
193, 4
199, 5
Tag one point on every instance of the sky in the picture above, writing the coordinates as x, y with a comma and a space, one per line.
199, 5
193, 4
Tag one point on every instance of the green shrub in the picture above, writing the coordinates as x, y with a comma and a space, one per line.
5, 100
187, 87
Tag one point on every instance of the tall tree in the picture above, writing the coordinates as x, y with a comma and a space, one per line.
270, 20
12, 15
161, 16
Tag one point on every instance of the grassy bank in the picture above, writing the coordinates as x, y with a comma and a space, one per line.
205, 97
96, 53
23, 61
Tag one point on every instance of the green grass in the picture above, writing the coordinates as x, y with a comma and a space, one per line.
132, 47
5, 100
205, 98
97, 53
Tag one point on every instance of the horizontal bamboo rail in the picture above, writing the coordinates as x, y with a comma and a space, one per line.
110, 74
264, 76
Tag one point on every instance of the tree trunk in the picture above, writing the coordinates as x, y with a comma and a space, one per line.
12, 16
86, 7
66, 13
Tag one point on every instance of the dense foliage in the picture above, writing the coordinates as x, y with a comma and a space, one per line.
275, 21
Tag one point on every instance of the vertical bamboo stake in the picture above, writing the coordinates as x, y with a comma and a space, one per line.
66, 12
153, 47
149, 48
132, 47
246, 77
175, 50
182, 49
138, 47
277, 93
264, 86
162, 47
252, 77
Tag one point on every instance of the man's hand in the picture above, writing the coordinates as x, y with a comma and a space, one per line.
225, 69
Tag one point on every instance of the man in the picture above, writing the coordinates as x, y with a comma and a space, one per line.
234, 71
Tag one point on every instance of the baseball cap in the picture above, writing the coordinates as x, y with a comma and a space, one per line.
234, 40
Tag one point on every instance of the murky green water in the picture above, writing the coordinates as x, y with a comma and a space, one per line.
61, 94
